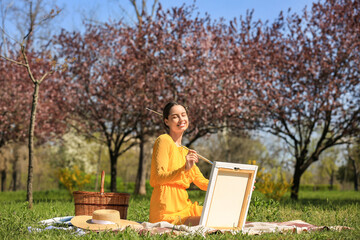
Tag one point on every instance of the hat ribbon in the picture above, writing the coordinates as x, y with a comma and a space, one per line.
101, 221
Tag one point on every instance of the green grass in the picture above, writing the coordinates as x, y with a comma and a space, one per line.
328, 208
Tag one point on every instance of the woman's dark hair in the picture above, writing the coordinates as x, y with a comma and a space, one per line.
166, 112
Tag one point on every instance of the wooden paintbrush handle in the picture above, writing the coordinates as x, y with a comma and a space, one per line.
201, 157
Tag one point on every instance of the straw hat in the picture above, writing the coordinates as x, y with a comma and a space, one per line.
103, 219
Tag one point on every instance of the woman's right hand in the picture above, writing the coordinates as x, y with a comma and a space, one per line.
191, 159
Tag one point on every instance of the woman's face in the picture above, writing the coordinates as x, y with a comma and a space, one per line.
178, 120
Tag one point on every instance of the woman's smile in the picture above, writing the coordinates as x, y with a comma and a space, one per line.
178, 119
183, 124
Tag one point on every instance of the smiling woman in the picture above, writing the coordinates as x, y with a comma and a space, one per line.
173, 168
175, 117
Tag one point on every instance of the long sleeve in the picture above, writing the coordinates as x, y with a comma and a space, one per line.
169, 200
199, 179
162, 153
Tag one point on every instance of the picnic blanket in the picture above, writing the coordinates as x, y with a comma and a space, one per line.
250, 228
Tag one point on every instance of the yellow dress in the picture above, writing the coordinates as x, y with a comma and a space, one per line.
169, 200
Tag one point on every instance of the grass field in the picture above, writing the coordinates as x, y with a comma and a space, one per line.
328, 208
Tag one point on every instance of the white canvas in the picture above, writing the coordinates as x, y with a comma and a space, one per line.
227, 193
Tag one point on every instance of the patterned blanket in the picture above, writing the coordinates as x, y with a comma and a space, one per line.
250, 228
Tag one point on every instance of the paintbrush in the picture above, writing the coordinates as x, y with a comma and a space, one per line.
201, 157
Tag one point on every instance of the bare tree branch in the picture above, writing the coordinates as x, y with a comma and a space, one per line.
154, 7
27, 64
13, 61
138, 15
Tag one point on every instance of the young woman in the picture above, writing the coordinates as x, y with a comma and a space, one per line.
172, 170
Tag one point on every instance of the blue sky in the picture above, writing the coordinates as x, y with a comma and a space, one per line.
76, 10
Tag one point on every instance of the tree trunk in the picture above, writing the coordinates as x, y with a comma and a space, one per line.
331, 182
296, 181
14, 180
356, 174
227, 145
29, 196
3, 180
15, 168
140, 186
113, 172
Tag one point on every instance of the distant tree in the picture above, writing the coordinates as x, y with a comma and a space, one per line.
24, 61
328, 163
353, 157
38, 66
76, 150
14, 179
349, 170
3, 169
13, 104
102, 85
305, 77
22, 15
143, 41
241, 149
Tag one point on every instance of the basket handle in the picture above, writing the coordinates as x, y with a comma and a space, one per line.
102, 182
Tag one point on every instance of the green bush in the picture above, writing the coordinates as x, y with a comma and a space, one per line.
263, 209
272, 184
72, 179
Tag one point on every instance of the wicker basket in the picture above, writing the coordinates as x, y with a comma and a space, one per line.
87, 202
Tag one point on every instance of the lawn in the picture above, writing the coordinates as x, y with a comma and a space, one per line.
328, 208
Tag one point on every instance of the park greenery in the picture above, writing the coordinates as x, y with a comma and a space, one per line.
284, 95
322, 208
